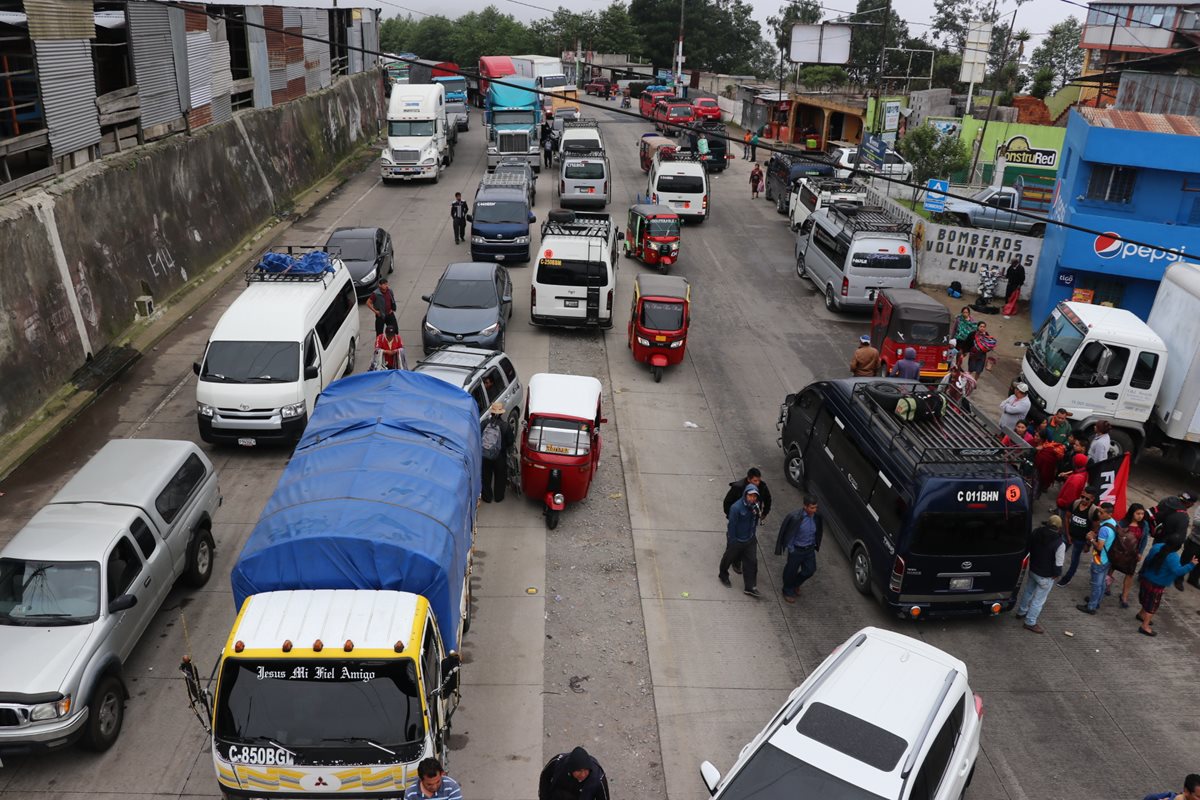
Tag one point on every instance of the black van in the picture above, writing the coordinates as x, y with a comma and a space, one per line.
932, 511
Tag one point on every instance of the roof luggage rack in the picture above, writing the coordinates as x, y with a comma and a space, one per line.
292, 264
958, 434
868, 218
835, 184
678, 155
503, 180
586, 154
580, 123
563, 222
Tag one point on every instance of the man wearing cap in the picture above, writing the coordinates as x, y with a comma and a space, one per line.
741, 541
496, 439
1047, 552
1014, 407
865, 363
1057, 427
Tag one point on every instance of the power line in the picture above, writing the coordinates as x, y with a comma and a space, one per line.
683, 128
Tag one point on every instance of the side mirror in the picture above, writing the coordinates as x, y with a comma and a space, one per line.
532, 217
196, 367
604, 420
451, 665
710, 775
506, 298
122, 603
425, 297
311, 373
470, 218
790, 399
620, 236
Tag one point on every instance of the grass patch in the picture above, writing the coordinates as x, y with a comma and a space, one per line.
917, 207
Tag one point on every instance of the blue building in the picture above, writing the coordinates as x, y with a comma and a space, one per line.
1127, 174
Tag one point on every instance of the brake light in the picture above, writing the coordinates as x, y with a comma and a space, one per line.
610, 292
562, 187
897, 579
845, 287
704, 203
532, 297
913, 283
979, 706
606, 187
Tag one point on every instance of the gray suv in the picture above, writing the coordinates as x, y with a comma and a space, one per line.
80, 583
486, 375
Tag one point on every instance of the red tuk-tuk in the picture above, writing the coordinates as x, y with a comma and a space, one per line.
910, 318
560, 444
651, 143
652, 235
658, 322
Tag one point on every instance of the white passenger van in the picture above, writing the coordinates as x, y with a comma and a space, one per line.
678, 181
852, 252
811, 194
282, 341
579, 136
576, 275
418, 140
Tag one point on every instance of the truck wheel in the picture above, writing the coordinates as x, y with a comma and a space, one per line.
107, 712
860, 567
200, 559
1038, 230
793, 468
1122, 442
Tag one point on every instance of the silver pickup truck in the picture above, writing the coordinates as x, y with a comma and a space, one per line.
82, 580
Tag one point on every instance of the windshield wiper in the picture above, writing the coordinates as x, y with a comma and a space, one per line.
364, 740
265, 740
222, 378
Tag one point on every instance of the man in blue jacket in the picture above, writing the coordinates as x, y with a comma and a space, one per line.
741, 541
800, 538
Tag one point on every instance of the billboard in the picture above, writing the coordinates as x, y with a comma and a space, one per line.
820, 44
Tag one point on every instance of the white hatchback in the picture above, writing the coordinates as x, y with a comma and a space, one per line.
884, 716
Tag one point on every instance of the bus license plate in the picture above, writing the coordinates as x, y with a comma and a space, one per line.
570, 304
247, 442
962, 584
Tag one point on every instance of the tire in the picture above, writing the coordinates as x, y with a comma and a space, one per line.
1122, 442
657, 372
552, 518
779, 209
106, 709
200, 559
467, 618
500, 343
437, 175
801, 269
830, 300
793, 468
350, 352
860, 570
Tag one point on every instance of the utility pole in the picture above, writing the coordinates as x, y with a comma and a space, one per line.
679, 53
992, 105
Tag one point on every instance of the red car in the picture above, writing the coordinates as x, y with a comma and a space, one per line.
707, 108
599, 86
649, 100
673, 110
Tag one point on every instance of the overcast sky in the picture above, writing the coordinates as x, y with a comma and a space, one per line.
1035, 15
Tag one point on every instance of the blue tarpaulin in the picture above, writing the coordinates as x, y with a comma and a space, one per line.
314, 262
380, 494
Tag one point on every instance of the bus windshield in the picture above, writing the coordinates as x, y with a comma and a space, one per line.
1054, 346
321, 703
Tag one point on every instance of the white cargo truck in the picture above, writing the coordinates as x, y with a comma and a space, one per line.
418, 141
1143, 377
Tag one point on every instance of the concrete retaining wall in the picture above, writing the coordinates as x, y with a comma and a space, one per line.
79, 251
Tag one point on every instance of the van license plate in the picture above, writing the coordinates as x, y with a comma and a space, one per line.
962, 584
570, 304
587, 189
247, 442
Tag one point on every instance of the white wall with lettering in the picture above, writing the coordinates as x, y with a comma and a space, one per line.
952, 253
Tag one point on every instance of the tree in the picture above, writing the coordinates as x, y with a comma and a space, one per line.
932, 155
430, 38
1059, 52
946, 69
820, 76
395, 33
794, 12
867, 41
616, 32
950, 21
719, 35
1043, 83
486, 33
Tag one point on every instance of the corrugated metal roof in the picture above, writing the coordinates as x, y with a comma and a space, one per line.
60, 19
154, 63
68, 91
200, 71
1141, 121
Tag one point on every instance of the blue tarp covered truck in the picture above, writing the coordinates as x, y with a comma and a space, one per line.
353, 596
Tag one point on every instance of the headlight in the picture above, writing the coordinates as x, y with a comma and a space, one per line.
386, 159
559, 499
677, 344
427, 162
493, 150
44, 712
521, 240
490, 329
432, 330
478, 240
643, 342
204, 409
294, 410
370, 276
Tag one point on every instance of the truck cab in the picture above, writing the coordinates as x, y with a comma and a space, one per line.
512, 117
418, 142
458, 113
1097, 363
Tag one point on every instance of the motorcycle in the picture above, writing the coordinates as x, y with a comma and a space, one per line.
625, 102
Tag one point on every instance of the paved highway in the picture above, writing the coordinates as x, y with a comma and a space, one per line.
612, 631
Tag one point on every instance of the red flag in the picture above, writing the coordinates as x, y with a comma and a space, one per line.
1111, 476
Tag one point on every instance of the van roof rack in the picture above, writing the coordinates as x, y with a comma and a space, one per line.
585, 154
960, 435
677, 155
834, 184
580, 123
261, 272
503, 179
563, 222
868, 218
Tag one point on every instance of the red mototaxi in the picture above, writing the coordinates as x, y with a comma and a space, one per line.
910, 318
560, 443
659, 320
652, 235
650, 144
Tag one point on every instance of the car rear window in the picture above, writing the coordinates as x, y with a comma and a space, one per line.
681, 184
881, 261
851, 736
564, 272
970, 533
772, 774
584, 171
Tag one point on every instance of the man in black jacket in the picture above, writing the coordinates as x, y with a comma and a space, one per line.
800, 537
573, 776
1047, 552
753, 475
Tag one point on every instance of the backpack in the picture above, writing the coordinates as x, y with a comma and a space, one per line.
492, 440
920, 407
1123, 552
954, 289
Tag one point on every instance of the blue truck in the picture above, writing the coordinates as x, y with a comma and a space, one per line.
457, 110
512, 114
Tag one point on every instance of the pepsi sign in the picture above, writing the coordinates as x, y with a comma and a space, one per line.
1108, 245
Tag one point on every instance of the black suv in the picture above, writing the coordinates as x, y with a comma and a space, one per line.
783, 168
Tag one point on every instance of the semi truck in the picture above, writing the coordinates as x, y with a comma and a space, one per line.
341, 671
1102, 363
548, 75
492, 68
419, 143
993, 207
512, 115
446, 74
